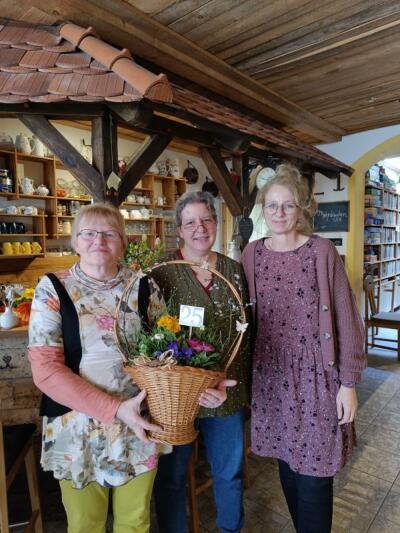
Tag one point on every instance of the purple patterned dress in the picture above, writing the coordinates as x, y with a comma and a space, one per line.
294, 399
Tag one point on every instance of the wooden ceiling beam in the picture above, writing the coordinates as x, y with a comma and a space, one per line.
71, 110
67, 154
126, 26
149, 151
105, 149
220, 174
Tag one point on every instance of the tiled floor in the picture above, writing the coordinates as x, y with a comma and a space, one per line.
367, 492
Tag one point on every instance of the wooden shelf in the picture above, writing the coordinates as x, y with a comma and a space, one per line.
19, 256
13, 332
73, 199
26, 216
23, 235
37, 196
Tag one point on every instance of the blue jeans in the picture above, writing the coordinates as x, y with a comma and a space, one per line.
223, 439
309, 498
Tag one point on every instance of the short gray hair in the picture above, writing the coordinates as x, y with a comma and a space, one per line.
196, 197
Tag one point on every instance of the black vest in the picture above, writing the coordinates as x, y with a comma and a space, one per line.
72, 339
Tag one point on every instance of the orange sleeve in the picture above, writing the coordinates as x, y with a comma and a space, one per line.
58, 382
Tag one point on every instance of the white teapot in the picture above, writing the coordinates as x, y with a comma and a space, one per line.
27, 185
37, 146
42, 190
146, 213
22, 143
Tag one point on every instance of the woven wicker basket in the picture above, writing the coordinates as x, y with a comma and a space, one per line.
173, 392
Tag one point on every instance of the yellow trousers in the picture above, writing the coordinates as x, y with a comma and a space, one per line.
87, 508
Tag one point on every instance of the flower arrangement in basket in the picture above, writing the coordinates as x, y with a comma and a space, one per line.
175, 363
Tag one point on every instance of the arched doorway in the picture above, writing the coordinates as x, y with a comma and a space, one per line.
355, 248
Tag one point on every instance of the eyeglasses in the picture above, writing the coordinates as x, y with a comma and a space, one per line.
288, 207
91, 234
193, 226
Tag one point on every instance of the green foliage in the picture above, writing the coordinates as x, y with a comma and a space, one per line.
188, 351
138, 253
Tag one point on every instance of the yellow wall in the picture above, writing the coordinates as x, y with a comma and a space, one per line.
355, 243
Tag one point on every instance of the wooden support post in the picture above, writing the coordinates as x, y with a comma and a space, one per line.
72, 159
217, 168
105, 150
151, 148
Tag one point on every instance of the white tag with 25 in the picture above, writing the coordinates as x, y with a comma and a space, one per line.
190, 315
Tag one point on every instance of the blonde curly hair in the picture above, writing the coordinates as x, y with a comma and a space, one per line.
289, 176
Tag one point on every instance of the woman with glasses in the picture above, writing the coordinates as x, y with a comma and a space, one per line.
94, 437
309, 351
222, 429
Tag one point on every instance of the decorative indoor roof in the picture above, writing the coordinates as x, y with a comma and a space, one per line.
204, 107
50, 64
58, 63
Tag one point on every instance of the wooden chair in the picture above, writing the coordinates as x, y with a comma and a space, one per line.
16, 447
195, 488
375, 319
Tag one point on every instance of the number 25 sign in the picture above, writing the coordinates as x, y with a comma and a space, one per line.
189, 315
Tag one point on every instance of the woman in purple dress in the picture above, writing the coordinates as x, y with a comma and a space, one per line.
308, 353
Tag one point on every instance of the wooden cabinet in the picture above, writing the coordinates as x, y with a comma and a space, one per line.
157, 194
148, 210
19, 223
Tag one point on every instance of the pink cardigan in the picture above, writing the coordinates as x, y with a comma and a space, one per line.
340, 324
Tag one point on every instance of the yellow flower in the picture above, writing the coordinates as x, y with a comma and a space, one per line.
28, 294
170, 323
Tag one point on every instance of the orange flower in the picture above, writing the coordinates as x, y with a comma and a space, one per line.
170, 323
23, 311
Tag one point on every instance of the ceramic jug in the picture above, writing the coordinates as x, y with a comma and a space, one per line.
27, 186
37, 146
26, 248
22, 143
36, 248
8, 319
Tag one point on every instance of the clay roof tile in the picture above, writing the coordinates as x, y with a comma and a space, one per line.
4, 77
25, 46
12, 99
10, 56
69, 84
73, 60
44, 37
15, 32
74, 34
103, 52
17, 69
39, 59
48, 98
64, 46
105, 85
31, 84
146, 82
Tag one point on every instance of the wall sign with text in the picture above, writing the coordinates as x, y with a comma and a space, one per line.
332, 216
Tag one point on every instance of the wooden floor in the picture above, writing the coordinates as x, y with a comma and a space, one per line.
367, 492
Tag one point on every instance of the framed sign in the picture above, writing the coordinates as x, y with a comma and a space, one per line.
332, 216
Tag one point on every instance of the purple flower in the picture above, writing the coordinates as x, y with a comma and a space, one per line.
174, 346
187, 352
